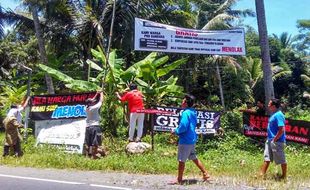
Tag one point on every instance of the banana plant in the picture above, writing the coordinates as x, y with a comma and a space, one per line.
148, 73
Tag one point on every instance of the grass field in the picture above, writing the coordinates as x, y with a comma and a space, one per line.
234, 160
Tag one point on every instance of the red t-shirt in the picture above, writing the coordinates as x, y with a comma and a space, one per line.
134, 99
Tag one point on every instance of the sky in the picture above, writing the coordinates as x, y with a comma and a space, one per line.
281, 15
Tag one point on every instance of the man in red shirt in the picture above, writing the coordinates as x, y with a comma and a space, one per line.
135, 102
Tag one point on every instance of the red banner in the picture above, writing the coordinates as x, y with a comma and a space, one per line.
296, 130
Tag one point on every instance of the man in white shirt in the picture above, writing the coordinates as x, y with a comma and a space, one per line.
12, 122
93, 135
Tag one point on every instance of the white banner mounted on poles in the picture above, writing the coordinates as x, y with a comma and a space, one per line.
68, 133
152, 36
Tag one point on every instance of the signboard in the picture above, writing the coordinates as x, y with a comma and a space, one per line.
61, 119
51, 107
296, 130
69, 133
153, 36
207, 121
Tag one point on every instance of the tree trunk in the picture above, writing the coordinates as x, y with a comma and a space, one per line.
43, 57
264, 45
218, 76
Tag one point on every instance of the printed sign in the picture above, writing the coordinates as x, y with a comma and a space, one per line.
296, 130
48, 107
153, 36
60, 119
207, 121
68, 133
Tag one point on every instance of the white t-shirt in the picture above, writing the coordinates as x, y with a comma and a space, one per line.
92, 114
16, 112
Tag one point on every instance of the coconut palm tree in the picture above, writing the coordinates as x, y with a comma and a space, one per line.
215, 15
34, 10
24, 19
263, 38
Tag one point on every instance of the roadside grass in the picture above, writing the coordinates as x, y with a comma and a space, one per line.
234, 160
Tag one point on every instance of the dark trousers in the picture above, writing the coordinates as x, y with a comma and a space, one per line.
16, 148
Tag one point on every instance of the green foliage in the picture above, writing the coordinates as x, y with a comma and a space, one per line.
303, 39
15, 52
236, 87
234, 156
11, 95
298, 113
77, 85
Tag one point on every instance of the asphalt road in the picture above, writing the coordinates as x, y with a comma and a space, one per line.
22, 178
19, 178
10, 182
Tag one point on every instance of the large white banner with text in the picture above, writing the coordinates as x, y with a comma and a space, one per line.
68, 133
152, 36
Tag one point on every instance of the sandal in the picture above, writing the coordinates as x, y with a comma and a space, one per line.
205, 176
175, 182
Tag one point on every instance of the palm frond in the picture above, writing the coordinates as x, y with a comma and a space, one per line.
219, 22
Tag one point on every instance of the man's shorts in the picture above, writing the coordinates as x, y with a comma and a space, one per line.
93, 136
186, 151
275, 153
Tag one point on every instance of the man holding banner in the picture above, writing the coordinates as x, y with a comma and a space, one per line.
274, 147
187, 139
12, 122
135, 102
93, 136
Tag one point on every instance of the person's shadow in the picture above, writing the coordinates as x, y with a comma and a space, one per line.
190, 182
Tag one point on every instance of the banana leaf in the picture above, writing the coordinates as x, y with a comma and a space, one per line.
99, 55
82, 86
134, 70
55, 73
170, 67
93, 65
141, 82
160, 61
147, 72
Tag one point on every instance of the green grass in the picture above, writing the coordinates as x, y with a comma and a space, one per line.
221, 157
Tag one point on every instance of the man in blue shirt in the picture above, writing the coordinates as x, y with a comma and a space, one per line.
274, 147
187, 139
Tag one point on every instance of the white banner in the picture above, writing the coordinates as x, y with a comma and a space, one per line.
152, 36
69, 133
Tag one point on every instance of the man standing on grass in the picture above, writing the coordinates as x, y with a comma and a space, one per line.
187, 139
93, 134
274, 147
12, 122
135, 102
